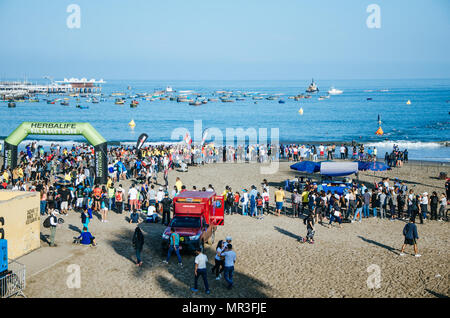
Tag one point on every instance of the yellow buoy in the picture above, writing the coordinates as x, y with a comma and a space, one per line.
408, 102
300, 111
132, 124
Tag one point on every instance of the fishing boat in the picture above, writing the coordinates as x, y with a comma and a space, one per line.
64, 103
227, 100
134, 103
257, 97
117, 94
312, 88
334, 91
281, 101
94, 100
119, 101
11, 104
213, 100
50, 101
272, 98
34, 100
195, 103
82, 107
308, 96
182, 100
240, 98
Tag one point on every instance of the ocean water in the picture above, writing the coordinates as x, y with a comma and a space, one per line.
422, 127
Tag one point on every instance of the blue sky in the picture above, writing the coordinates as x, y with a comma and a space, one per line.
227, 39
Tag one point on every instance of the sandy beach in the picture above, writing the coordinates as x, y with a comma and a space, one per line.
270, 260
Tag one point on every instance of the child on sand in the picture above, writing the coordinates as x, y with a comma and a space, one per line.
411, 236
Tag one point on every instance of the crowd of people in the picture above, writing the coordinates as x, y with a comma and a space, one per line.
66, 181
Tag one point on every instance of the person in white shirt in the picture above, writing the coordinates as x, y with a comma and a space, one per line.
230, 260
200, 270
132, 197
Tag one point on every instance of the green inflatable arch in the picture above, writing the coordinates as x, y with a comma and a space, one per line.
51, 128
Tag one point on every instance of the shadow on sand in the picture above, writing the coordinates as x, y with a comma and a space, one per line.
389, 248
181, 278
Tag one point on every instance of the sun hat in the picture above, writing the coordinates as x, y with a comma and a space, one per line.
228, 238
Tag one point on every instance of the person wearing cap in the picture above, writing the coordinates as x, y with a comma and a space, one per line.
200, 270
230, 260
295, 199
159, 198
424, 205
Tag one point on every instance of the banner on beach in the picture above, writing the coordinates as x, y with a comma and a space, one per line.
58, 128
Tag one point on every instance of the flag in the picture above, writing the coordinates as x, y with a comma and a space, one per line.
205, 135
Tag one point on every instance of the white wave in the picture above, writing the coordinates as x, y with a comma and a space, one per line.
403, 144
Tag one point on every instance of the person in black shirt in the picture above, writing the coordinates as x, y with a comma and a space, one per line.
166, 204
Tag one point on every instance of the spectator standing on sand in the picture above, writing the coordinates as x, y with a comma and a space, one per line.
309, 222
200, 270
411, 237
424, 205
119, 199
443, 207
295, 199
138, 244
434, 201
85, 218
178, 184
410, 207
132, 198
230, 260
166, 203
53, 225
279, 199
415, 209
174, 245
218, 261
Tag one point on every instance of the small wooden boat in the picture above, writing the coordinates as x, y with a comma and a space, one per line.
119, 101
195, 103
134, 103
64, 103
11, 105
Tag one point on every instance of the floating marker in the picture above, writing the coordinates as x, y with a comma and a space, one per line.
300, 111
408, 102
132, 124
379, 132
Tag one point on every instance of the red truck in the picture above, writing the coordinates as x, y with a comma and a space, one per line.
196, 217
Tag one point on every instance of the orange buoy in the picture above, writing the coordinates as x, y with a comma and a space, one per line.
379, 132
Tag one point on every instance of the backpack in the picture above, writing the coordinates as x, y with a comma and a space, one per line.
46, 223
230, 198
259, 202
119, 196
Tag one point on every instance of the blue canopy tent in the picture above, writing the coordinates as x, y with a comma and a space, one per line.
372, 166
